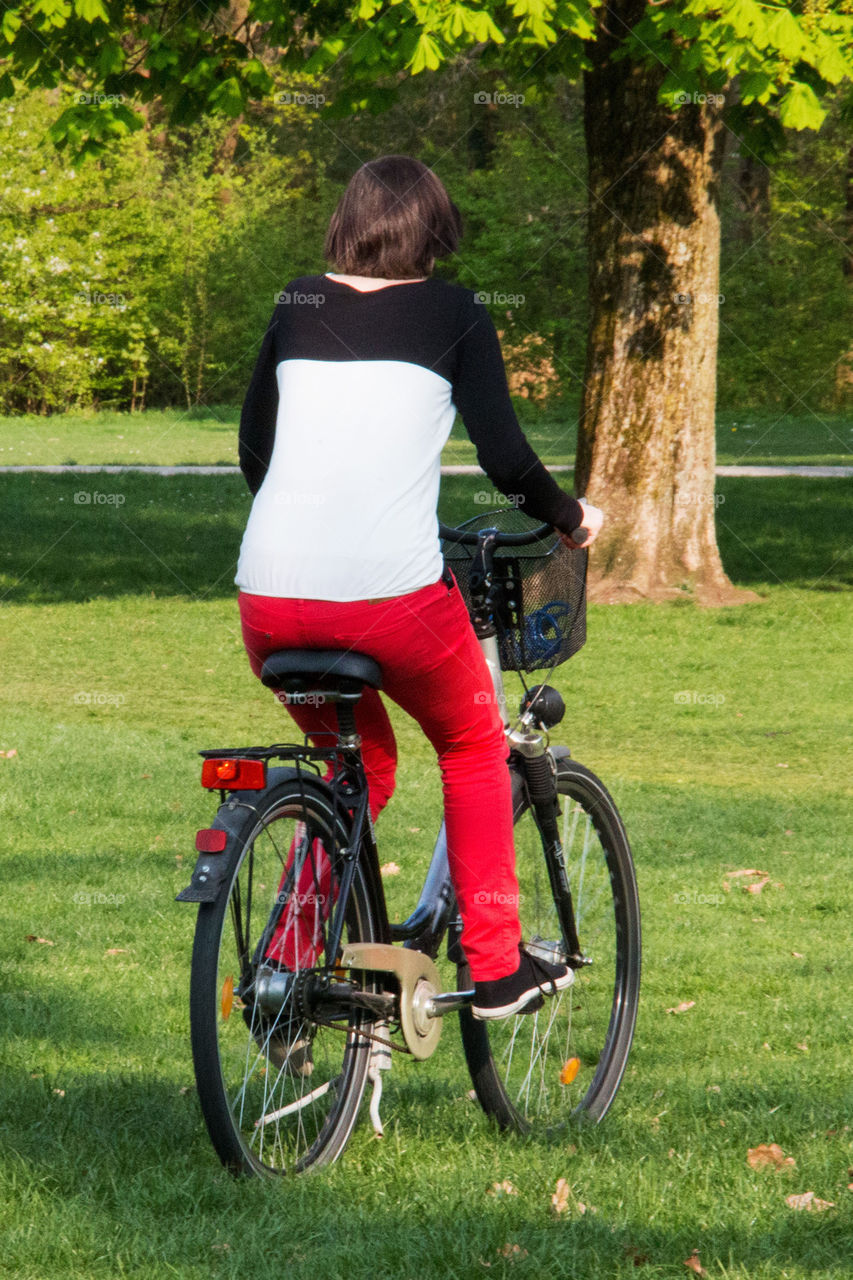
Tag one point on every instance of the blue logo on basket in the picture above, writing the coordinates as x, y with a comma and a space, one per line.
544, 631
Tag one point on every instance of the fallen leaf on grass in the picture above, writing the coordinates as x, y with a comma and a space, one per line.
116, 951
389, 869
797, 955
560, 1198
768, 1155
13, 751
504, 1188
694, 1264
809, 1201
31, 937
744, 871
513, 1251
683, 1007
60, 1093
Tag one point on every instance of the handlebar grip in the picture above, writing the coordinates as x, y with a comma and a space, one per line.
579, 535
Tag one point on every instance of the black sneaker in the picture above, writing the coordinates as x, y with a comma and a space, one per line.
522, 991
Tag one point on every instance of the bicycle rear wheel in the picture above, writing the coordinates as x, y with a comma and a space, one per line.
567, 1059
279, 1091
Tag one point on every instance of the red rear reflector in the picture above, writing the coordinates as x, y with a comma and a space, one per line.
211, 840
235, 775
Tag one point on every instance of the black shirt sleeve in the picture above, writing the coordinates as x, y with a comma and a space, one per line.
481, 396
259, 412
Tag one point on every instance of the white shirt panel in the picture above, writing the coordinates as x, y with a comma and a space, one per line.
347, 509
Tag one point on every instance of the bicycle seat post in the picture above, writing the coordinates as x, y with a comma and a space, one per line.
348, 736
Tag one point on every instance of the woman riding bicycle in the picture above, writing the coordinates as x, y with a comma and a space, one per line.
353, 396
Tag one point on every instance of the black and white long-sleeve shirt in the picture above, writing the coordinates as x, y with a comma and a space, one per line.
350, 404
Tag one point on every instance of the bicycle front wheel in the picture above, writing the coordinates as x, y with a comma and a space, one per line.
279, 1091
567, 1059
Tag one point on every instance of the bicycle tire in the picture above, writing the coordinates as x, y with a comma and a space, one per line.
249, 1066
520, 1067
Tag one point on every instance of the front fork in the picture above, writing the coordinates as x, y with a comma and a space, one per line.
530, 748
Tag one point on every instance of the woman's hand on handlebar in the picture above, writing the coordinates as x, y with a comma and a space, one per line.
593, 519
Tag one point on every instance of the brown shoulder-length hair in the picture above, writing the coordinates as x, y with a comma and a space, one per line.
394, 219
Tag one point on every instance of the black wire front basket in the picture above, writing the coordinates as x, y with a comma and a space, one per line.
541, 601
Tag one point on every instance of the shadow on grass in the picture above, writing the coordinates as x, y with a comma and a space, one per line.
138, 1179
75, 538
787, 529
78, 537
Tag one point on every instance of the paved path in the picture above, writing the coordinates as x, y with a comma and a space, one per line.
113, 470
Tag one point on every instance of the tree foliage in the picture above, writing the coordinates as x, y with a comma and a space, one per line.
216, 58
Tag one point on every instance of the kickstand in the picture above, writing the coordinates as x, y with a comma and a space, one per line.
380, 1060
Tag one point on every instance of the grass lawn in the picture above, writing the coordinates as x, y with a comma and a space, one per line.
180, 436
122, 658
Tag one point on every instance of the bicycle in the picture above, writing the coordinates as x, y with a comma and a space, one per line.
299, 994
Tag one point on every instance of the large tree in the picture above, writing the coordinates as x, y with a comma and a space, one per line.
663, 81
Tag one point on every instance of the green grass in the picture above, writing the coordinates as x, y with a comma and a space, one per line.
177, 436
122, 657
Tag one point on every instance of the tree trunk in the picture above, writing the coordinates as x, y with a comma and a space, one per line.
646, 450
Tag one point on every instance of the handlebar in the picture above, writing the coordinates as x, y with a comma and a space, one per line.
470, 537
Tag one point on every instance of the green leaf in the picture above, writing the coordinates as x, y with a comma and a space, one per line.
745, 17
10, 23
484, 29
800, 108
786, 35
756, 86
830, 62
91, 10
228, 97
427, 55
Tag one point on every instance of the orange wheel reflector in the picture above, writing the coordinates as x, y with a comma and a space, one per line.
227, 998
235, 774
570, 1070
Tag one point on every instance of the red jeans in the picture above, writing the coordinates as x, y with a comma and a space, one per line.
433, 667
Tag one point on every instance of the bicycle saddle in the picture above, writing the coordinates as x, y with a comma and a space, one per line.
295, 667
